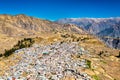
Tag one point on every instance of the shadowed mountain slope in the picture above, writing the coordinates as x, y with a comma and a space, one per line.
100, 27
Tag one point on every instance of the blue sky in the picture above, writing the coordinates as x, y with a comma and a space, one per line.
55, 9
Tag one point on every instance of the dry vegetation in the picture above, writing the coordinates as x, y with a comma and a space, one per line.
103, 63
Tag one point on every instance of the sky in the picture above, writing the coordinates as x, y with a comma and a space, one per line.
56, 9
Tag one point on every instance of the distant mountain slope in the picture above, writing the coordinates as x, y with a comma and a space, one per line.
22, 24
98, 26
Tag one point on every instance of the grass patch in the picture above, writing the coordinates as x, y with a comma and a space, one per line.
103, 61
88, 63
95, 77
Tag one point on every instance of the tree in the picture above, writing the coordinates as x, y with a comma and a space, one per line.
1, 55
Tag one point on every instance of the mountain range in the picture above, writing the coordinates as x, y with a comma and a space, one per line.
107, 29
76, 49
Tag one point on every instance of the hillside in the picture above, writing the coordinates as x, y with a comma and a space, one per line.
44, 50
100, 27
63, 56
21, 26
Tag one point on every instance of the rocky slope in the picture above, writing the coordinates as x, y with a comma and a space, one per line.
101, 27
49, 62
62, 57
21, 26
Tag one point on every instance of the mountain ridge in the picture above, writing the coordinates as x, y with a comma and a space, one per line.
26, 24
97, 26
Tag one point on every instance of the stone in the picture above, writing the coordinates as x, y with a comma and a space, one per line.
56, 61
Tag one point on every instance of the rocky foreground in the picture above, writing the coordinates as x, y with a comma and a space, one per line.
58, 61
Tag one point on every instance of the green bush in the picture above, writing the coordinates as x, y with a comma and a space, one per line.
118, 55
1, 55
26, 42
100, 53
65, 35
88, 62
9, 52
95, 77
